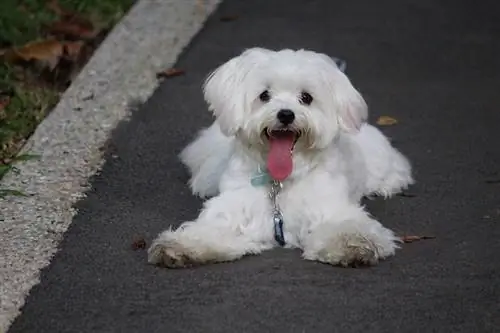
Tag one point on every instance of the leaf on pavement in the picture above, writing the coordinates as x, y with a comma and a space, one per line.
139, 244
47, 52
228, 18
386, 121
413, 238
170, 73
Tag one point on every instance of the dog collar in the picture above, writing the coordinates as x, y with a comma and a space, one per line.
261, 177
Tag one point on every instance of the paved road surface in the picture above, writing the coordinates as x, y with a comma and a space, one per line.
431, 64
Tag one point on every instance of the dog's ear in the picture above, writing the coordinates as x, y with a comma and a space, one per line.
224, 89
351, 106
348, 103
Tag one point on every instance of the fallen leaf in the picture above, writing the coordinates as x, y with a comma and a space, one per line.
411, 239
73, 27
71, 24
139, 244
229, 18
386, 121
46, 51
170, 73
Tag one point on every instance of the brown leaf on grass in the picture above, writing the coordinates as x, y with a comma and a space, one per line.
386, 121
413, 238
171, 72
47, 52
139, 244
73, 27
70, 25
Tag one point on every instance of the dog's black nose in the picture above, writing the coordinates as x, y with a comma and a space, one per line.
286, 117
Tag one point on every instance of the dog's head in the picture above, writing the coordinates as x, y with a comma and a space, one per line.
297, 98
262, 93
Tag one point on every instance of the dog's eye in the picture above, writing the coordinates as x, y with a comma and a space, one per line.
306, 98
264, 96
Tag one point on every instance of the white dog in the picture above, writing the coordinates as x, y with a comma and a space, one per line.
287, 162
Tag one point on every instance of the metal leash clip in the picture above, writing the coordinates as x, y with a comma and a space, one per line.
277, 215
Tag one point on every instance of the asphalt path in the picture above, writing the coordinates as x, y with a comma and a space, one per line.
434, 65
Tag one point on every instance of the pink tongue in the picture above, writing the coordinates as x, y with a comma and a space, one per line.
279, 160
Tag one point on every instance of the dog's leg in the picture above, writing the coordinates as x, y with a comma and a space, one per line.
338, 230
225, 230
351, 238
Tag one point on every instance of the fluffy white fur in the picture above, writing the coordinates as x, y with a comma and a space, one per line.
338, 159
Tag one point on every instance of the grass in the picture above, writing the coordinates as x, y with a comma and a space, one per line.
31, 96
20, 21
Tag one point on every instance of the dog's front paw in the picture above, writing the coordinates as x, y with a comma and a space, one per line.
348, 251
168, 254
352, 244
